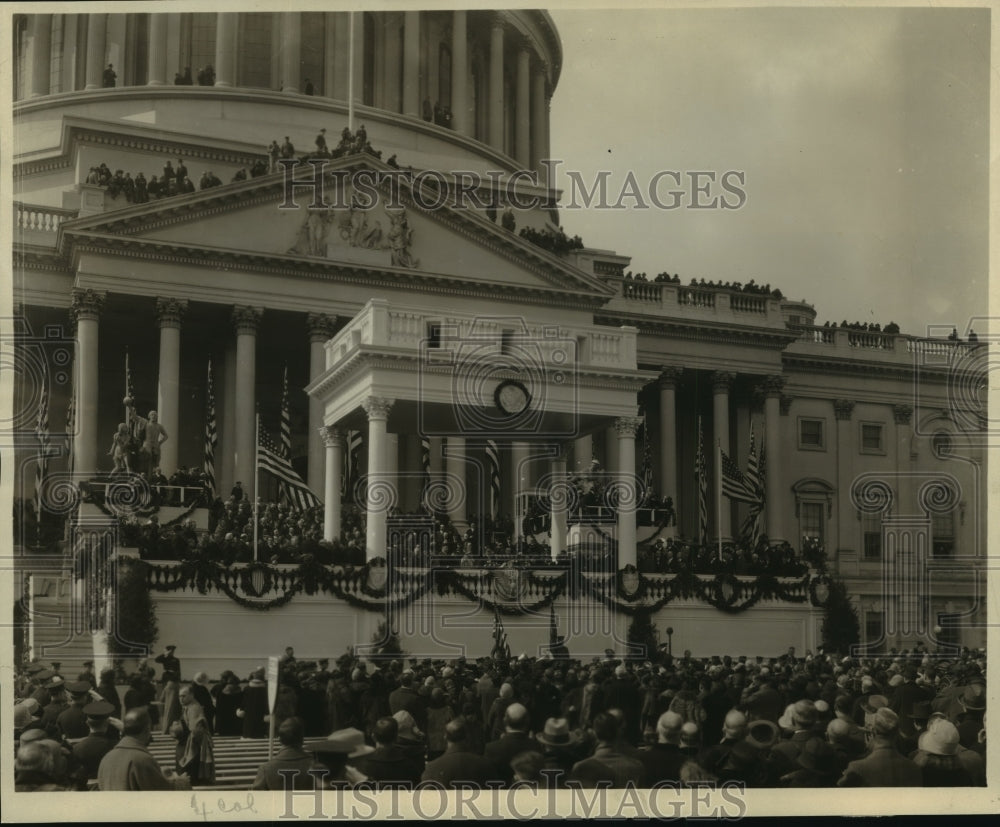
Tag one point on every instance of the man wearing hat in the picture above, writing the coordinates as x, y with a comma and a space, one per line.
389, 764
817, 765
88, 674
333, 754
72, 722
289, 769
130, 766
663, 759
458, 764
55, 707
801, 722
41, 680
970, 721
100, 740
108, 691
26, 715
884, 766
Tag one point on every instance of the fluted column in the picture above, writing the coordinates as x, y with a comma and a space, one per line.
245, 321
558, 515
460, 119
625, 430
226, 29
320, 330
359, 58
773, 469
668, 434
522, 109
86, 311
333, 440
169, 317
519, 475
495, 88
539, 111
455, 468
341, 56
329, 54
40, 34
157, 71
610, 450
96, 41
291, 51
377, 409
391, 56
721, 383
411, 63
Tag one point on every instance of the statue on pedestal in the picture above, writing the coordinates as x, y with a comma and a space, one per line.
146, 437
121, 445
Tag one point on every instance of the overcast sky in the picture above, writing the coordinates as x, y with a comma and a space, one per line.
862, 132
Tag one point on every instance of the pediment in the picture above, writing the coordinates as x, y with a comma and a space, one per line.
389, 232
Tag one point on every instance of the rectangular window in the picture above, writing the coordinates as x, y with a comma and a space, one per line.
813, 521
506, 342
811, 436
872, 441
943, 534
434, 335
874, 631
871, 532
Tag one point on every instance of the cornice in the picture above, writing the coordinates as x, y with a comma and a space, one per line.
850, 367
697, 329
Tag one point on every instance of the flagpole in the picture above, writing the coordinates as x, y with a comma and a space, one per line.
256, 463
350, 71
718, 492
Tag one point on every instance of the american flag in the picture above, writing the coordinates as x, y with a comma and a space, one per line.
286, 420
70, 427
352, 459
751, 528
291, 486
41, 469
129, 388
699, 469
493, 468
211, 435
734, 484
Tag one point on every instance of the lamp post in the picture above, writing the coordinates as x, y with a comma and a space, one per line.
670, 645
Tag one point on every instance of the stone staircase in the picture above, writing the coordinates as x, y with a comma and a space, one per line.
236, 760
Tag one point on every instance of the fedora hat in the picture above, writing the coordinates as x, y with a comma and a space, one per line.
349, 742
941, 738
974, 697
817, 755
885, 721
408, 726
763, 734
557, 733
873, 703
921, 711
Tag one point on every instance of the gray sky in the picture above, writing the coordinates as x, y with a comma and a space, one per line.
863, 134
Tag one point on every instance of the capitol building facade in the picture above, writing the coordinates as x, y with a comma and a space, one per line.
447, 338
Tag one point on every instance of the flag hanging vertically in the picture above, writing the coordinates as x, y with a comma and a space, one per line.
501, 649
352, 459
129, 388
700, 470
285, 431
646, 471
751, 529
70, 426
211, 436
493, 469
291, 486
42, 467
734, 484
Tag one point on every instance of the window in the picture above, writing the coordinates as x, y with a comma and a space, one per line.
943, 534
506, 342
875, 631
871, 536
813, 522
872, 438
434, 335
941, 444
811, 434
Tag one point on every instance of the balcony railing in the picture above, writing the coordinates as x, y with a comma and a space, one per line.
34, 218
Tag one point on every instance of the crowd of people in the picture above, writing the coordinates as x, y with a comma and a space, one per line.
867, 327
739, 287
172, 181
907, 718
555, 241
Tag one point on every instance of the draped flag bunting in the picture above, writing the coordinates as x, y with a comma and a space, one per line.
352, 459
751, 529
70, 427
286, 420
211, 436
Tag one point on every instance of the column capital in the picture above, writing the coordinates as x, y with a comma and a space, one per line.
627, 426
772, 386
902, 414
843, 408
245, 319
498, 20
669, 376
320, 326
785, 403
722, 381
377, 407
332, 437
87, 304
170, 312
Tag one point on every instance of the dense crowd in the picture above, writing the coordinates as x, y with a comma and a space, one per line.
172, 181
738, 287
903, 719
555, 241
867, 327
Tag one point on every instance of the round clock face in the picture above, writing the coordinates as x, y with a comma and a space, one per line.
511, 397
